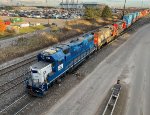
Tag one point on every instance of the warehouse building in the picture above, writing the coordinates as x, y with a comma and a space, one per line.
68, 5
93, 4
71, 5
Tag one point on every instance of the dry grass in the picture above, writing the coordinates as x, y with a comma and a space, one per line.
24, 46
31, 29
75, 22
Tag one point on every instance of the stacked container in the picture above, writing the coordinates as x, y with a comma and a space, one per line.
128, 20
133, 17
121, 25
137, 15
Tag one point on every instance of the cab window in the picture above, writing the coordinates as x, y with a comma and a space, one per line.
60, 62
34, 71
66, 51
53, 64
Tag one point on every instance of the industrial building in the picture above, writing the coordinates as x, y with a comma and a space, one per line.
93, 4
72, 4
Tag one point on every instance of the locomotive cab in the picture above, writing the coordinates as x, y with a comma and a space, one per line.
47, 66
40, 71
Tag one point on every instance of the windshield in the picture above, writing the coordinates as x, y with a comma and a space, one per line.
34, 71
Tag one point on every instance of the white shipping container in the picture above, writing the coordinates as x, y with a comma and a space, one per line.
37, 24
24, 25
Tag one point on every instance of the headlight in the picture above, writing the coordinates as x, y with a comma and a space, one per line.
42, 57
48, 58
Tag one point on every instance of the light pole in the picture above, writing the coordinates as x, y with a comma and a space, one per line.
142, 3
124, 8
47, 11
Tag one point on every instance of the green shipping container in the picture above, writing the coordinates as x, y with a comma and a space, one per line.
16, 20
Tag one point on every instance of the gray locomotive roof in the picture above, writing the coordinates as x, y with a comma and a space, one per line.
62, 46
40, 65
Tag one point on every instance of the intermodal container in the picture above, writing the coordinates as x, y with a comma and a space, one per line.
7, 22
133, 17
128, 19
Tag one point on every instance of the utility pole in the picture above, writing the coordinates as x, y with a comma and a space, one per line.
124, 8
62, 4
142, 3
67, 2
47, 11
11, 2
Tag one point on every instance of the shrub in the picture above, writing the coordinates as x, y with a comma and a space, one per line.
107, 13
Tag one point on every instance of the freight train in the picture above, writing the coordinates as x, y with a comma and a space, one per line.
54, 62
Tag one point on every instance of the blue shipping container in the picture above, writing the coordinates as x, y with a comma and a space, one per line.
128, 19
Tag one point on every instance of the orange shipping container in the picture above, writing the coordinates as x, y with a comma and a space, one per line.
99, 39
2, 27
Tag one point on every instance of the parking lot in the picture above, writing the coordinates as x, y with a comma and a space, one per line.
41, 15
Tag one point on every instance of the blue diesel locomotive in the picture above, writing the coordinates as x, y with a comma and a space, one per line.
54, 62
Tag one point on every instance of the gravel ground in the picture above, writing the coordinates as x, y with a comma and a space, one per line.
59, 90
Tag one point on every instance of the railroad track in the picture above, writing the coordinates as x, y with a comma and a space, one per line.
6, 108
17, 65
12, 83
24, 98
25, 106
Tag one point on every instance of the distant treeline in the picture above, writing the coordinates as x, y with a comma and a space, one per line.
6, 8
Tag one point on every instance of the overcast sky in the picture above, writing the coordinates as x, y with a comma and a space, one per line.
146, 3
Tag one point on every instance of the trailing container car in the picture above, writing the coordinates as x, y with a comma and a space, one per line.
99, 39
54, 62
113, 28
141, 15
105, 35
121, 25
128, 20
137, 15
145, 12
133, 17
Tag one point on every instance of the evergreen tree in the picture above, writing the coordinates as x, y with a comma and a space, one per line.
92, 13
107, 13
